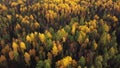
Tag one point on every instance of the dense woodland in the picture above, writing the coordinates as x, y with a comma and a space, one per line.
59, 33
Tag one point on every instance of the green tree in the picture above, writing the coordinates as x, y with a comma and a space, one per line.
82, 61
98, 61
47, 63
40, 64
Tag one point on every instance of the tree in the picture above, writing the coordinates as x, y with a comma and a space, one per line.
82, 61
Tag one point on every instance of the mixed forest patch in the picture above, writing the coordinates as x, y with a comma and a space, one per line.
59, 33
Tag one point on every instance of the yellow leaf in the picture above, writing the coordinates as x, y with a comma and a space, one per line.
74, 28
59, 47
115, 19
22, 45
95, 45
28, 38
36, 24
106, 27
54, 49
66, 61
31, 17
42, 37
15, 46
9, 17
49, 35
18, 27
13, 4
32, 36
64, 39
27, 57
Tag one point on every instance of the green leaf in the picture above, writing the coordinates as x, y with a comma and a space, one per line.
47, 65
82, 61
16, 54
40, 64
82, 21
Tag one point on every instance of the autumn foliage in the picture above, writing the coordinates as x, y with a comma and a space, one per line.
59, 33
